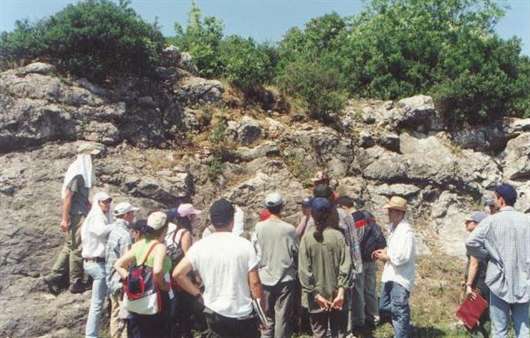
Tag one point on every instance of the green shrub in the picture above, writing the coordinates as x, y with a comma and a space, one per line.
202, 39
94, 38
245, 64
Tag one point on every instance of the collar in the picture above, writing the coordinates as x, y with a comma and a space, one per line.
507, 208
122, 223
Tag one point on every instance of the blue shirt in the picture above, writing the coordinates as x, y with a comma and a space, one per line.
118, 243
505, 237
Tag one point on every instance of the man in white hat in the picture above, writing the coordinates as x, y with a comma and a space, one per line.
78, 180
400, 268
277, 245
118, 243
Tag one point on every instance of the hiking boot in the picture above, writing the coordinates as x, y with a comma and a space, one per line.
52, 286
78, 287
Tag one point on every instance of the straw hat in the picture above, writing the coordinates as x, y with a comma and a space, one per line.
397, 203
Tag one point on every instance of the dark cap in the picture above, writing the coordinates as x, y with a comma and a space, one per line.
507, 192
139, 225
323, 190
321, 204
221, 213
172, 214
306, 202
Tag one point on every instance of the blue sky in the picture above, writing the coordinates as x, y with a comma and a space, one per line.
264, 20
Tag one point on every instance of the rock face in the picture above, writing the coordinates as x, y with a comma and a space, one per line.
384, 149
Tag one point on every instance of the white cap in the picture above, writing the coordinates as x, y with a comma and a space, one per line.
187, 209
157, 220
273, 199
124, 207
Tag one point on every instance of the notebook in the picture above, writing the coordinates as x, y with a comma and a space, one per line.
471, 310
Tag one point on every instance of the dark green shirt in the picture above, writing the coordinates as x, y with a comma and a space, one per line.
324, 266
80, 202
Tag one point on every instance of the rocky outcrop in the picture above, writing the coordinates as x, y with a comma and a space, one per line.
382, 149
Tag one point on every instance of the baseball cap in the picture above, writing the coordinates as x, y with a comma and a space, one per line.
124, 207
187, 209
157, 220
507, 192
139, 225
306, 202
221, 212
274, 199
476, 217
321, 204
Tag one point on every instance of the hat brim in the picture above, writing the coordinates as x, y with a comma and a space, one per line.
395, 207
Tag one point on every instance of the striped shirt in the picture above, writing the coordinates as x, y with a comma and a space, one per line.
505, 238
118, 243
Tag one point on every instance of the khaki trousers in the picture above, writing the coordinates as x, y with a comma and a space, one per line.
118, 326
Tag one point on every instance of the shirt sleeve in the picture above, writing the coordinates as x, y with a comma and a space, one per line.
476, 243
99, 228
252, 258
75, 183
345, 276
304, 268
401, 253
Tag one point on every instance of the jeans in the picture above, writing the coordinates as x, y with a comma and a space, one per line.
99, 292
395, 301
500, 313
280, 308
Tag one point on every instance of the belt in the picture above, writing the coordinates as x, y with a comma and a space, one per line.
94, 259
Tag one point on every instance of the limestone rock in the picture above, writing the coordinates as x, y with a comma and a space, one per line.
249, 130
265, 149
517, 160
37, 68
194, 90
418, 113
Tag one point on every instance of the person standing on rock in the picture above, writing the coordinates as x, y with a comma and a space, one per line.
277, 246
228, 267
94, 234
325, 273
504, 237
400, 268
75, 192
119, 241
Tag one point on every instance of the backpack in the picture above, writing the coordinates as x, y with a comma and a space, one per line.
141, 294
174, 248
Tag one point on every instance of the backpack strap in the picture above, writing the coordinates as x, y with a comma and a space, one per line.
148, 252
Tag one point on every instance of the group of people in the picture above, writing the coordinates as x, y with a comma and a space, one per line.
498, 268
323, 269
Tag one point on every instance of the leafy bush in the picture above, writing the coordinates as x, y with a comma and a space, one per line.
245, 64
202, 39
93, 38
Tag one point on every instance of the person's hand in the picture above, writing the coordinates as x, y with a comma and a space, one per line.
470, 293
381, 255
323, 303
338, 302
65, 224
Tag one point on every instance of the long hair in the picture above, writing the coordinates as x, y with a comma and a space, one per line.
321, 223
183, 223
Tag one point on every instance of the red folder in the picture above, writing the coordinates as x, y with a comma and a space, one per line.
471, 310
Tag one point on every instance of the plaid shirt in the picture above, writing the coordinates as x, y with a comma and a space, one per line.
118, 243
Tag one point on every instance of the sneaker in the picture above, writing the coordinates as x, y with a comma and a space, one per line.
78, 287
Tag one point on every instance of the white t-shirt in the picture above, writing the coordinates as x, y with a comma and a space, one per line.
223, 261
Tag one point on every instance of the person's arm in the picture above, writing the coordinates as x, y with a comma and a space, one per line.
181, 276
476, 243
123, 263
471, 275
67, 206
300, 229
344, 278
159, 253
186, 241
254, 284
